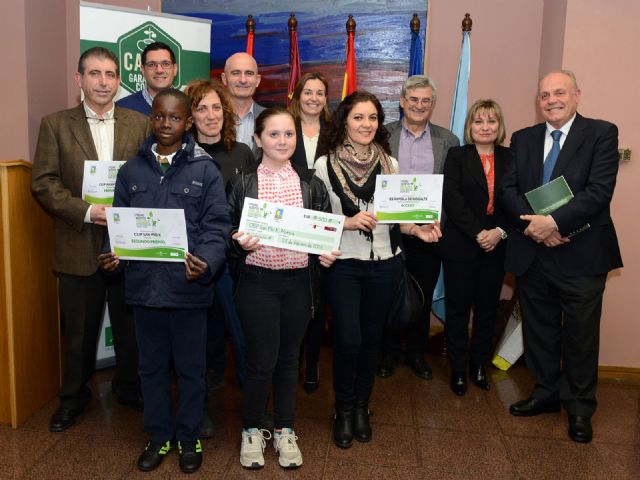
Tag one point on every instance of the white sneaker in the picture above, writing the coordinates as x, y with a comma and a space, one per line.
289, 455
253, 443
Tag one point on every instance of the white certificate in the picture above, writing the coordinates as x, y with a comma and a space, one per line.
408, 198
156, 234
290, 227
99, 181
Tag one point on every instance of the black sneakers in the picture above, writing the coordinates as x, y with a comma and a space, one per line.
190, 456
153, 454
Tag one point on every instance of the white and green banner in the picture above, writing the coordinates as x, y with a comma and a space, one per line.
126, 32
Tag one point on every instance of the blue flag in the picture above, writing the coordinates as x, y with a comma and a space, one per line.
416, 57
461, 93
458, 115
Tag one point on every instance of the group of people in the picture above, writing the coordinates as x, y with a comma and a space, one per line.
208, 148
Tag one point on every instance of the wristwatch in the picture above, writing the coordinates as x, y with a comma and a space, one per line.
503, 234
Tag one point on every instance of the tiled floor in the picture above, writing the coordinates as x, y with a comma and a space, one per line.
421, 431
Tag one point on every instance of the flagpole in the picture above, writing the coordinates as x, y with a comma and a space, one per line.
350, 84
294, 56
458, 115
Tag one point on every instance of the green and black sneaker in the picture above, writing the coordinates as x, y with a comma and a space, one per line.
153, 454
190, 455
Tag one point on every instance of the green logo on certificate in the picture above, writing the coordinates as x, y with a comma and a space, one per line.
130, 47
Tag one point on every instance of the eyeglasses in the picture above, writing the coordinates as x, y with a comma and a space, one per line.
166, 65
413, 101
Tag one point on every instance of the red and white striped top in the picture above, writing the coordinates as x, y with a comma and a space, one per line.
282, 186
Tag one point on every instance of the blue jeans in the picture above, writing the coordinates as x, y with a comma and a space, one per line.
359, 293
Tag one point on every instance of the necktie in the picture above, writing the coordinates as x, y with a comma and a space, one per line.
164, 163
551, 159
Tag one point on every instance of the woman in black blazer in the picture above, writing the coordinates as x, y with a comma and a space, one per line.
472, 244
309, 109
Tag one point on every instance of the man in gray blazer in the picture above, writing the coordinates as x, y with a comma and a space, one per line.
94, 130
420, 147
241, 78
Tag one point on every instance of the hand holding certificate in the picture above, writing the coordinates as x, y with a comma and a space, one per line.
152, 234
99, 181
408, 198
292, 228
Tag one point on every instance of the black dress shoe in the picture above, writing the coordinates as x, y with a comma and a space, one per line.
580, 428
152, 456
62, 419
190, 456
531, 407
311, 379
458, 383
420, 367
479, 378
207, 428
387, 365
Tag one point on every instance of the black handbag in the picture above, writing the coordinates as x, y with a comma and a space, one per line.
407, 304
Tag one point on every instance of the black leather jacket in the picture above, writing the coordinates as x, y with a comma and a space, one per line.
314, 197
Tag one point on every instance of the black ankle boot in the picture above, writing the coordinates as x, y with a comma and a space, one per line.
361, 425
343, 425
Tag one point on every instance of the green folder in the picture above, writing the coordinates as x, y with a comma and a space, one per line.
550, 197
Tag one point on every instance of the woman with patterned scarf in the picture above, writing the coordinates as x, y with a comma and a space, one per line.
362, 282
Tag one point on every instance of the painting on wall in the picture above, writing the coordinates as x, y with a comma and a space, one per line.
382, 41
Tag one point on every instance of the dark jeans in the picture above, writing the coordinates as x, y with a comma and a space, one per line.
359, 293
315, 331
164, 334
423, 262
274, 308
476, 283
81, 306
224, 312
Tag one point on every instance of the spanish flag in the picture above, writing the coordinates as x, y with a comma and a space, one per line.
349, 86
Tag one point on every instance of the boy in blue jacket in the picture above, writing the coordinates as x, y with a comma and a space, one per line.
170, 300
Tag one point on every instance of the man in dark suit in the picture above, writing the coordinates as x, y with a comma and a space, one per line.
420, 147
96, 129
561, 260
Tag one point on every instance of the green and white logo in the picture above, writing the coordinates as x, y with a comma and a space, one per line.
130, 47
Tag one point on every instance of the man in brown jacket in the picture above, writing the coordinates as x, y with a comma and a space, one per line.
94, 130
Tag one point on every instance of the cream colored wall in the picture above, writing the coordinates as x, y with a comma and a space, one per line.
14, 131
600, 46
505, 55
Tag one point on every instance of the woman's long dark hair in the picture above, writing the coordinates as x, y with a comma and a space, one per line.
336, 131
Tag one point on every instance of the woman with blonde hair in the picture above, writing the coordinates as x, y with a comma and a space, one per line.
473, 242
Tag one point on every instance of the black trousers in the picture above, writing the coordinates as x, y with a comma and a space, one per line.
476, 283
274, 307
81, 305
561, 326
423, 262
360, 294
165, 334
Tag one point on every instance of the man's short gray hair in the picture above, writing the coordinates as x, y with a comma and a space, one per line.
419, 81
